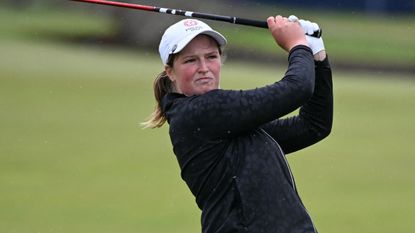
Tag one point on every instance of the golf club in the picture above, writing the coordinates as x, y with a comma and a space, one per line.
229, 19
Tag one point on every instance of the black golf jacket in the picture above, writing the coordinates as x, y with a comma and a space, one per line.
230, 145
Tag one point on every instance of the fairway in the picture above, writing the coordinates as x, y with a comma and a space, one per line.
73, 157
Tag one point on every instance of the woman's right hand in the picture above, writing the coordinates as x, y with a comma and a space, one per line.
287, 34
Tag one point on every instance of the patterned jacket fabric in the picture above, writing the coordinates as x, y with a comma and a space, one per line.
231, 146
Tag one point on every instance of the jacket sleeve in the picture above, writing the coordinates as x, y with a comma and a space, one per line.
315, 118
228, 113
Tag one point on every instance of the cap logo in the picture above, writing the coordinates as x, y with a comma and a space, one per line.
190, 23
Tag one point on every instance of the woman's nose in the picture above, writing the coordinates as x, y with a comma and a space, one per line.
203, 66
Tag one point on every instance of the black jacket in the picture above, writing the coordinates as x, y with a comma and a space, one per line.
230, 146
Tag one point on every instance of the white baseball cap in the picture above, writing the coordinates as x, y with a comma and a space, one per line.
178, 35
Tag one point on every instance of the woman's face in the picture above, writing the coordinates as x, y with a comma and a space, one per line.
196, 69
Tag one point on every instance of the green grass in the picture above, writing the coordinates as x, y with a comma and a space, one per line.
41, 23
73, 157
361, 175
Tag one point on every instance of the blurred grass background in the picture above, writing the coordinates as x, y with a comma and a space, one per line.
73, 157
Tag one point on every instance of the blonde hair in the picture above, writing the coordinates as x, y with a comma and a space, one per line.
162, 85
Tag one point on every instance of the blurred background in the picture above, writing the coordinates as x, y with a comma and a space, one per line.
76, 81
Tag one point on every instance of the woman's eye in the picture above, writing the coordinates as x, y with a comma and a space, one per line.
189, 60
213, 56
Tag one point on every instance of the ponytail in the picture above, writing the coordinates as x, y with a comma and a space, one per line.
162, 86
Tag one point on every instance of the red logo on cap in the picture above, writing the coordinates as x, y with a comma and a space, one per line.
190, 23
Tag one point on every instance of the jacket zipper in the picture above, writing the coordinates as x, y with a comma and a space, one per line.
291, 176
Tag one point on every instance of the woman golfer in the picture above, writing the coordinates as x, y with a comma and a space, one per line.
231, 144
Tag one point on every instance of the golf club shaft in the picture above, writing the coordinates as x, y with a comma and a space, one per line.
229, 19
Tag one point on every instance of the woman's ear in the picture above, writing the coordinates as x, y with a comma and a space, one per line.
170, 72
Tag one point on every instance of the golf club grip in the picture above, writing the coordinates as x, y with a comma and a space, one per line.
251, 22
264, 24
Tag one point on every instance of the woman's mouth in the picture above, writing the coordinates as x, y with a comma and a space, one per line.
203, 79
